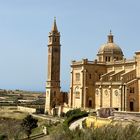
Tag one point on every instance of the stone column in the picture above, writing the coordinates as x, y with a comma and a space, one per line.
81, 97
120, 99
137, 58
126, 98
70, 97
84, 86
123, 96
71, 90
110, 94
100, 89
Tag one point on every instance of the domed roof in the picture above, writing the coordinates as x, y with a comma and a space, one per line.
110, 47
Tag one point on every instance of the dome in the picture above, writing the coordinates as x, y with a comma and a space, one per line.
110, 51
110, 47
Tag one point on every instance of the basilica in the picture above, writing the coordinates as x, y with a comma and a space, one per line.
110, 81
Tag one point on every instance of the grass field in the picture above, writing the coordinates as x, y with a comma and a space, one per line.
11, 112
10, 120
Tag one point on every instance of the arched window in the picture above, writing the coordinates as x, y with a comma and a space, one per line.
131, 104
106, 58
77, 77
89, 76
77, 93
132, 90
90, 102
109, 59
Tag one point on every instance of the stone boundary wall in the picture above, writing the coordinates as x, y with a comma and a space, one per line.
125, 114
26, 109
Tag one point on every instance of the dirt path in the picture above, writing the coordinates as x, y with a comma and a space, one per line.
77, 123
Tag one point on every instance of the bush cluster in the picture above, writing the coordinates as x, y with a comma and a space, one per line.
3, 137
73, 112
109, 132
73, 115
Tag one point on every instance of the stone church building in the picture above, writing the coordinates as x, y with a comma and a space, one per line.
110, 81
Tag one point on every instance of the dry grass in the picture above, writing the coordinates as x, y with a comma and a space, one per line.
10, 120
11, 112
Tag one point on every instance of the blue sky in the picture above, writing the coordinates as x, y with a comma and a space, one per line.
83, 24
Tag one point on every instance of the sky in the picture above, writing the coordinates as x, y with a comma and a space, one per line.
83, 24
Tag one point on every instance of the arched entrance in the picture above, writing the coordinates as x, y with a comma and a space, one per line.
131, 106
90, 102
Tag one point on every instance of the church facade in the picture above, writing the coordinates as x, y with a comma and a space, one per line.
110, 81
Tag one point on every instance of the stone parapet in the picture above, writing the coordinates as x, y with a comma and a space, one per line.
126, 114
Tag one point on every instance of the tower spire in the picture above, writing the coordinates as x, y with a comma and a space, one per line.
110, 37
54, 27
53, 94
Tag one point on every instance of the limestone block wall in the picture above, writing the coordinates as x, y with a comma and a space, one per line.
47, 103
126, 114
138, 74
26, 109
138, 91
133, 96
90, 99
105, 97
93, 74
97, 98
138, 64
116, 98
77, 97
76, 91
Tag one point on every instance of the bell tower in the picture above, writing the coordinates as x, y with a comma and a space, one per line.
53, 96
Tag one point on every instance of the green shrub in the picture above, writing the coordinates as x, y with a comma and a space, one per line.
28, 124
3, 137
73, 115
73, 112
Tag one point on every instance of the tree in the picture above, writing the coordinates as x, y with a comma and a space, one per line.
3, 137
29, 123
